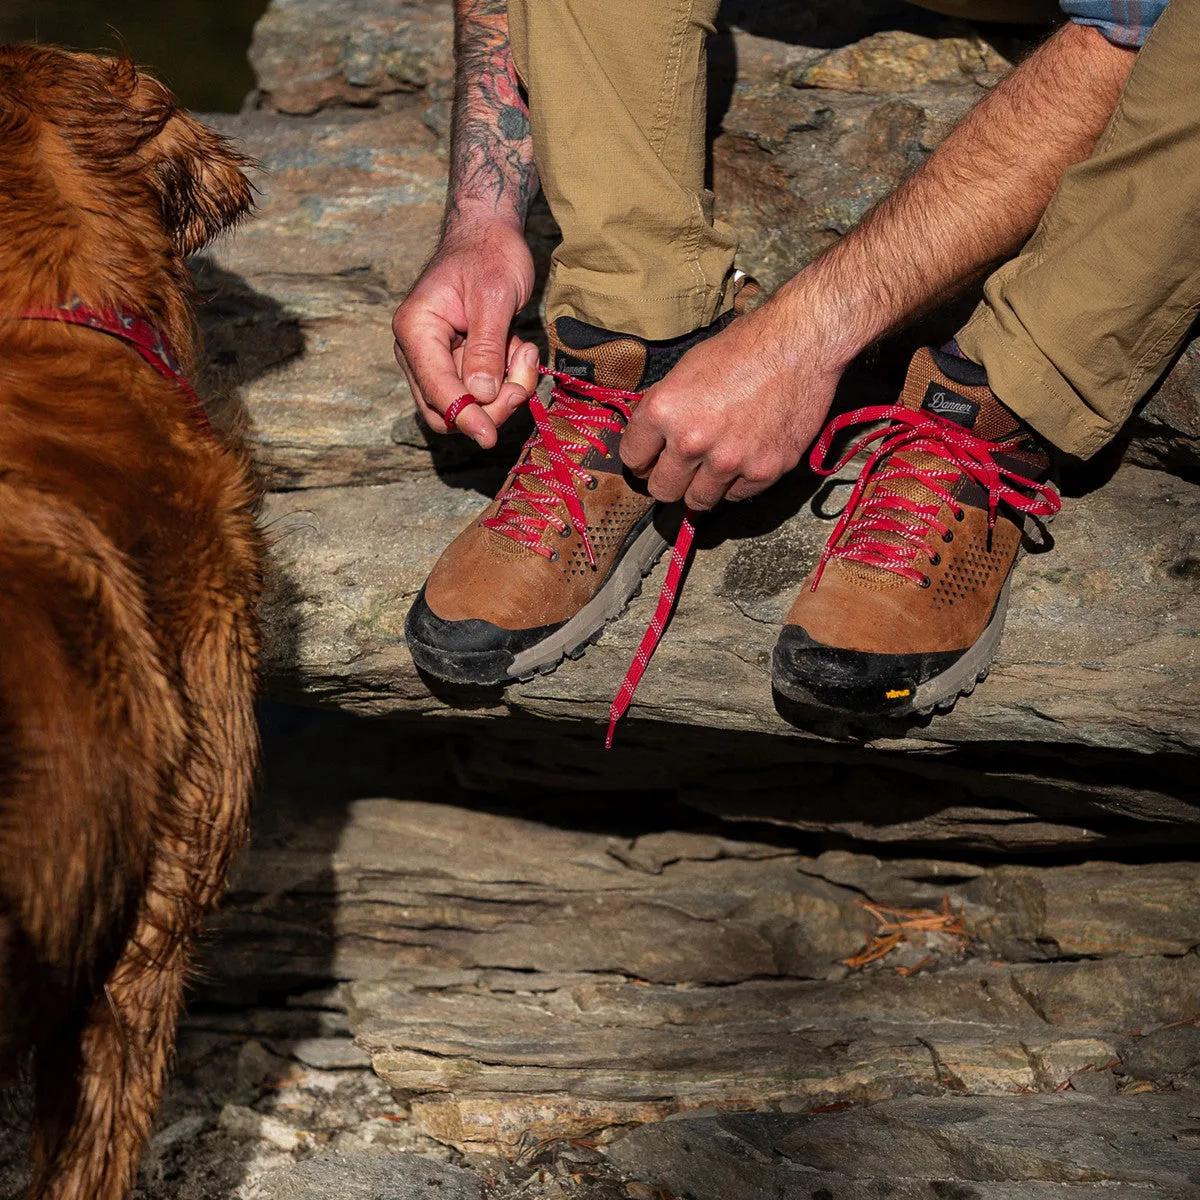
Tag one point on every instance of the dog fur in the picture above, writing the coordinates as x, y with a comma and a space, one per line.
129, 576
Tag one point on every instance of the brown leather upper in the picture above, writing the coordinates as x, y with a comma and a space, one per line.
485, 575
866, 608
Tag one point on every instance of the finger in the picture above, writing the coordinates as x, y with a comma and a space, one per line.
489, 314
746, 489
671, 477
707, 488
520, 382
426, 412
641, 443
429, 352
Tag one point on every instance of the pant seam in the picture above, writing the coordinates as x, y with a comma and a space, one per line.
691, 294
670, 85
667, 103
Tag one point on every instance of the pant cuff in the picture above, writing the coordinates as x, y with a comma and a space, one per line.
1029, 385
655, 318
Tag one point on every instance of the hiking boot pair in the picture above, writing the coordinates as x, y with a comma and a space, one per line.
902, 613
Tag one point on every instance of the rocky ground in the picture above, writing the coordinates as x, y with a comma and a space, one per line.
749, 953
418, 988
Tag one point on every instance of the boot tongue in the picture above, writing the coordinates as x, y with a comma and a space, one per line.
587, 352
594, 355
956, 390
962, 397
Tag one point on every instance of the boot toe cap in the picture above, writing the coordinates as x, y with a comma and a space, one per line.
471, 651
857, 681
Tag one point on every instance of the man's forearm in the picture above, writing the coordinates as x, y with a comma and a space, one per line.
975, 200
491, 152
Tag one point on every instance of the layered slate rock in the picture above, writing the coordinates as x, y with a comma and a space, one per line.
516, 978
994, 1148
1094, 675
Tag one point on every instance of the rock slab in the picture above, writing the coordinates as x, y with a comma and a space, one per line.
515, 979
985, 1148
371, 1177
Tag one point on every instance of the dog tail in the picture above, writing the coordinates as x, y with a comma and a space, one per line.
90, 733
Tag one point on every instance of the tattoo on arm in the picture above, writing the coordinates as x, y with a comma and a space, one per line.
491, 150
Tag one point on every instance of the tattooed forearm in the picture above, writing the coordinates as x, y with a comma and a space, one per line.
491, 151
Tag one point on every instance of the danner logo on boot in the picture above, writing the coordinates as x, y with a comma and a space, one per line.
579, 367
942, 402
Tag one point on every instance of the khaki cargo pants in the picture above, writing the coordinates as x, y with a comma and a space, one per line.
1073, 331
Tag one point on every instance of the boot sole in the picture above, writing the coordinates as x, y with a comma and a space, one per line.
939, 693
942, 691
622, 586
497, 668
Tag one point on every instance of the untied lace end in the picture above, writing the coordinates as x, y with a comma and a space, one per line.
591, 410
887, 511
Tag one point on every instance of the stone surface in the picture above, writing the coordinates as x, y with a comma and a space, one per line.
371, 1177
897, 61
994, 1148
373, 888
307, 56
518, 979
1093, 676
531, 975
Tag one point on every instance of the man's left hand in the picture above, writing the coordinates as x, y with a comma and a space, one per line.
734, 415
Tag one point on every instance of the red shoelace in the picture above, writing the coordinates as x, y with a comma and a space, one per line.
888, 511
530, 506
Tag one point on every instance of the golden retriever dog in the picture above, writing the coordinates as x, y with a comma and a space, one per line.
129, 575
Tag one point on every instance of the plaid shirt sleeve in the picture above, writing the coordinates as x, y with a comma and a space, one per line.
1124, 22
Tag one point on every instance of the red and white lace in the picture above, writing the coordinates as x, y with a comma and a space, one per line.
530, 505
541, 488
908, 523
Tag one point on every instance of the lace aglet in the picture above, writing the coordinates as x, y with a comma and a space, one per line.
615, 712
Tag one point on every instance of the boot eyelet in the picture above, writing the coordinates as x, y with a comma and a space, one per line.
566, 531
555, 556
926, 581
935, 560
960, 515
948, 536
593, 483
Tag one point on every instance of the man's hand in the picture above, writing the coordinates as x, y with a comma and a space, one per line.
739, 409
452, 331
734, 415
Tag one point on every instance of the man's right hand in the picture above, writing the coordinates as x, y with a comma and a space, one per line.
452, 331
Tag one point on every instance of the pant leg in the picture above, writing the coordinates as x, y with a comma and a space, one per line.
617, 107
1076, 329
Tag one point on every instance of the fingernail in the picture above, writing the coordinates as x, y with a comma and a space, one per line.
484, 387
530, 356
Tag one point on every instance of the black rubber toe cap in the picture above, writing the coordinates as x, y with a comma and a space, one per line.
470, 651
853, 681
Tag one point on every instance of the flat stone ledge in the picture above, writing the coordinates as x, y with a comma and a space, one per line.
993, 1148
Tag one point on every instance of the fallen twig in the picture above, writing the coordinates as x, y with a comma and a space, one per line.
897, 925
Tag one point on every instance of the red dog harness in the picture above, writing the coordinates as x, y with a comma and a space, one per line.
143, 335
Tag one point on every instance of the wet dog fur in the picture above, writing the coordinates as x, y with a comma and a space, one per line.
129, 574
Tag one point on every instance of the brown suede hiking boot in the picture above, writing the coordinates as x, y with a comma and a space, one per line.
564, 546
903, 612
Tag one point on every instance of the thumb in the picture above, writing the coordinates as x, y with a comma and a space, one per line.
485, 353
